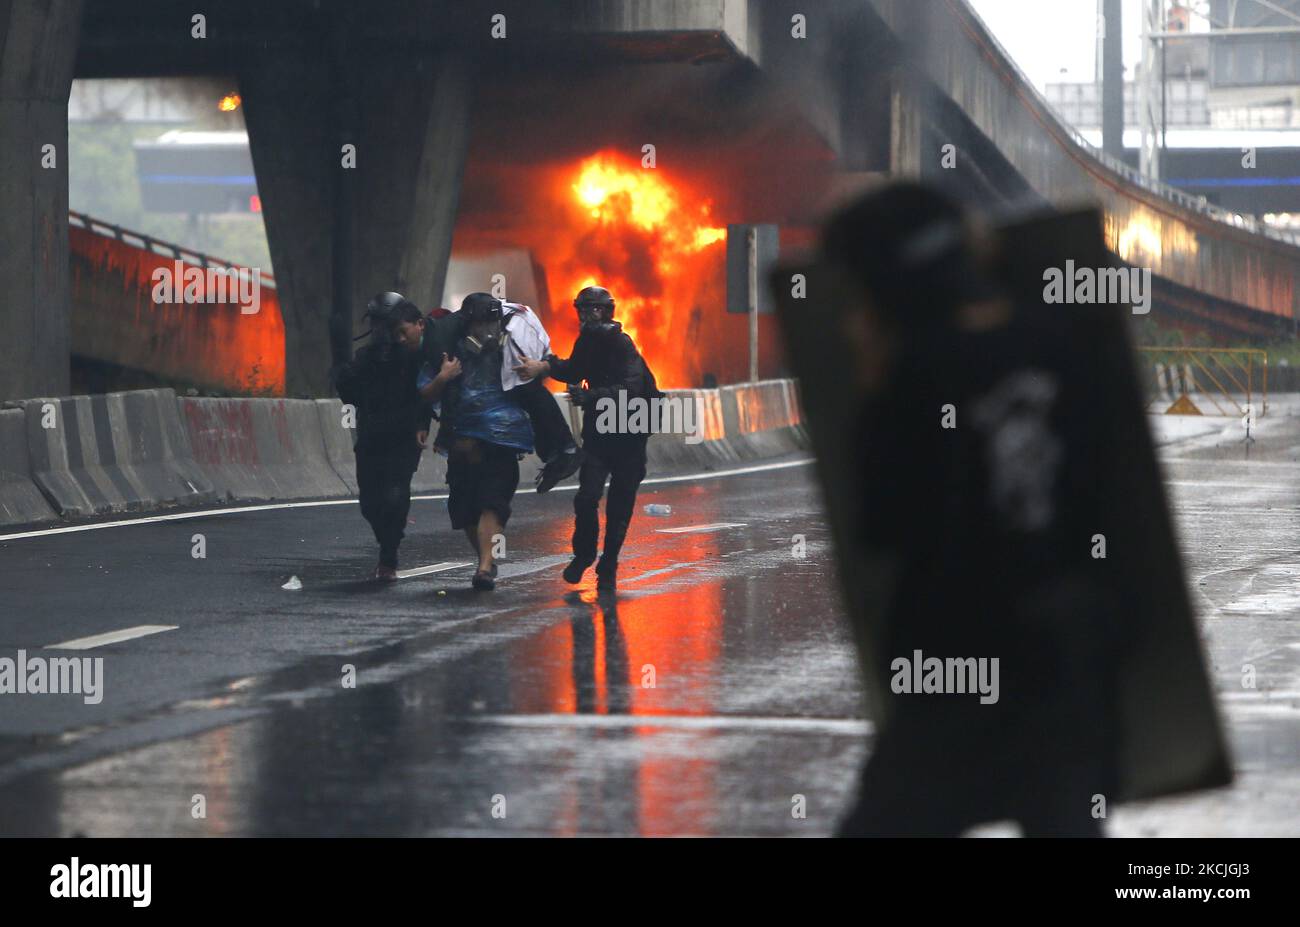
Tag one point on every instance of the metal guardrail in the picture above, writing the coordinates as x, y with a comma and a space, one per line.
1217, 376
164, 248
1198, 204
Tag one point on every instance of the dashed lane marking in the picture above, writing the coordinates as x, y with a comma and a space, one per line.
432, 568
694, 529
849, 726
113, 637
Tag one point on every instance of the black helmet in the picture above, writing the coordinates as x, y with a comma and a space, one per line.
595, 310
594, 296
481, 307
384, 307
384, 310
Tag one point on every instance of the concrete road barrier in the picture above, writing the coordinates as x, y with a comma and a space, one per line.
338, 433
21, 501
152, 449
119, 452
728, 426
89, 455
706, 447
431, 477
259, 450
63, 457
763, 419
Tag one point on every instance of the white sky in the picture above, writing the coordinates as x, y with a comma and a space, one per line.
1044, 36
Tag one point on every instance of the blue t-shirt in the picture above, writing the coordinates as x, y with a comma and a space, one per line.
423, 379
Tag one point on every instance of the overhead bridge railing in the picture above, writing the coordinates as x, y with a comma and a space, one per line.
1198, 204
1231, 381
159, 247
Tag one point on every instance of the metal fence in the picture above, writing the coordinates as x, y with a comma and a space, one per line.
1231, 381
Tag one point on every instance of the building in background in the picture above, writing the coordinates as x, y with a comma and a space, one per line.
167, 158
1226, 95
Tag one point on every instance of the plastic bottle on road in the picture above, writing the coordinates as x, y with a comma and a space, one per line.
657, 509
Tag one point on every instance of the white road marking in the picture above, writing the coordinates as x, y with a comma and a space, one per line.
660, 572
719, 474
176, 516
692, 529
113, 637
530, 566
432, 568
848, 726
1220, 463
1211, 484
272, 506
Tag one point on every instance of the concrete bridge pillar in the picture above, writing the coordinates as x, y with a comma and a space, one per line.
905, 125
346, 222
38, 45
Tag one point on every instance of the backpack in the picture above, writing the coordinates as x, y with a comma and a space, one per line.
652, 391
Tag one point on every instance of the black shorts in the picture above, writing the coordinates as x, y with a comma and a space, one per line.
480, 477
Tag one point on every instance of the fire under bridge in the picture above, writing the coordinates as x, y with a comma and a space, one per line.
386, 137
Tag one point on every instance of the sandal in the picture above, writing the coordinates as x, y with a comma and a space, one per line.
485, 580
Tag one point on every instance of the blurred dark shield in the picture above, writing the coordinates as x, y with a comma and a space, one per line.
1171, 737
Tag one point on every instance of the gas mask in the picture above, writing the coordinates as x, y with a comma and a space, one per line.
484, 330
595, 308
595, 320
483, 338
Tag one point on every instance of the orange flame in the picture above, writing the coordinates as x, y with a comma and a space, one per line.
649, 242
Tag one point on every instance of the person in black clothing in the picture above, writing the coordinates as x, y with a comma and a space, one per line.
392, 420
607, 359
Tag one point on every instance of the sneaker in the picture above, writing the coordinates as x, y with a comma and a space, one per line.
561, 466
384, 574
573, 572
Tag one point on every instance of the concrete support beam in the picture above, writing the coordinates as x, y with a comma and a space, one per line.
905, 125
294, 156
38, 44
833, 60
412, 133
423, 271
339, 234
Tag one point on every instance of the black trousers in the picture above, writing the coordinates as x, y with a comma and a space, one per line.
551, 434
622, 462
384, 483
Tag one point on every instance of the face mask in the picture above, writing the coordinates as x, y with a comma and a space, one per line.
481, 341
593, 320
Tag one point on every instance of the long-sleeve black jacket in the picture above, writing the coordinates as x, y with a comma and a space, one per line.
380, 381
609, 362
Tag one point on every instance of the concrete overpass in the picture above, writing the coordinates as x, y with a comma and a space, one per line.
767, 106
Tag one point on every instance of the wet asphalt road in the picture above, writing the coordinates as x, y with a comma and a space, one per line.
1236, 508
716, 692
716, 686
